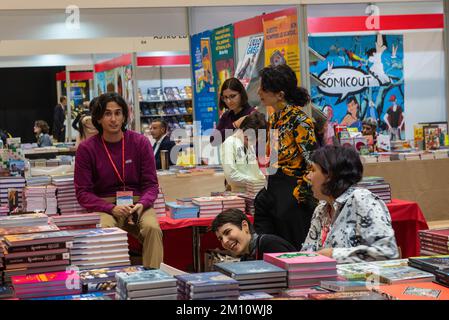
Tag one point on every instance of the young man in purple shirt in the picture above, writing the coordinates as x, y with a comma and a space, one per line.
117, 160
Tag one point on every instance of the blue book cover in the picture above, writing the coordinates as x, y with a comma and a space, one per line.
144, 279
86, 296
207, 279
250, 269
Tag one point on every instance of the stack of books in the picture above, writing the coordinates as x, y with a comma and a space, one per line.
146, 285
38, 181
46, 285
345, 285
77, 221
209, 206
103, 280
159, 204
40, 198
363, 270
438, 265
234, 202
207, 285
98, 248
434, 241
4, 210
185, 201
378, 186
24, 220
255, 275
305, 269
253, 187
13, 182
66, 196
36, 253
177, 211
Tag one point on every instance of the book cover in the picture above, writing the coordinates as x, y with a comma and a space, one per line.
207, 279
355, 295
344, 285
403, 274
299, 260
27, 230
42, 237
414, 291
145, 279
250, 269
41, 278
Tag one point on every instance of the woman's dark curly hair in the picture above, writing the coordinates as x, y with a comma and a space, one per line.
99, 108
343, 167
282, 78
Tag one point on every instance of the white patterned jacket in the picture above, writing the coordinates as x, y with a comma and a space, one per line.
360, 230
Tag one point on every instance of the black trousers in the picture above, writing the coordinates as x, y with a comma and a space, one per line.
278, 212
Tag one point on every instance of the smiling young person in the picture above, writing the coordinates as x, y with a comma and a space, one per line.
236, 234
350, 224
116, 160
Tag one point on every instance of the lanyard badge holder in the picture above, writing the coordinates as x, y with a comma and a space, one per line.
122, 197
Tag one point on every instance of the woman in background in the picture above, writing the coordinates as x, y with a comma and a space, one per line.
350, 224
85, 126
41, 131
234, 99
290, 194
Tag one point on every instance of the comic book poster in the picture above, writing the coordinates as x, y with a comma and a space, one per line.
247, 65
282, 42
223, 54
359, 77
204, 93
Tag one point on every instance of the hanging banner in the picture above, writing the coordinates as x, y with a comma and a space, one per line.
359, 77
101, 82
206, 113
282, 42
223, 54
247, 65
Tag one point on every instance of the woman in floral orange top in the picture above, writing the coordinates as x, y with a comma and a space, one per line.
288, 202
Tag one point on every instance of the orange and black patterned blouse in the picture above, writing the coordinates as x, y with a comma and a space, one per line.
294, 142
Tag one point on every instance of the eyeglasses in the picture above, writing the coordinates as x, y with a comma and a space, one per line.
230, 97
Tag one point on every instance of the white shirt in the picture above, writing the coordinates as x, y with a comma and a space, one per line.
361, 229
239, 166
158, 144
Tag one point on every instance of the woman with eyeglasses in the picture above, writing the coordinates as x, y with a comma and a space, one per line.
285, 208
234, 98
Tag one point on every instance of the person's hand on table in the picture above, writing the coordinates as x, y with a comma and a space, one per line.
326, 252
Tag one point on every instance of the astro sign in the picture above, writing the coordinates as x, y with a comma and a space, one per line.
344, 81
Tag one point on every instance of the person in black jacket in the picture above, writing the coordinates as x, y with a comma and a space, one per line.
158, 131
59, 119
236, 234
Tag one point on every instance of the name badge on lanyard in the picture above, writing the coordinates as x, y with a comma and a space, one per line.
124, 195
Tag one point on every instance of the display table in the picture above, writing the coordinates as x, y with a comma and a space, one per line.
423, 181
407, 219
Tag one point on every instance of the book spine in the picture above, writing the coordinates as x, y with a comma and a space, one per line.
434, 237
36, 259
40, 247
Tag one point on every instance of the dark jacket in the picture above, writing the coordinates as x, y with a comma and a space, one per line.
166, 144
266, 243
58, 120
